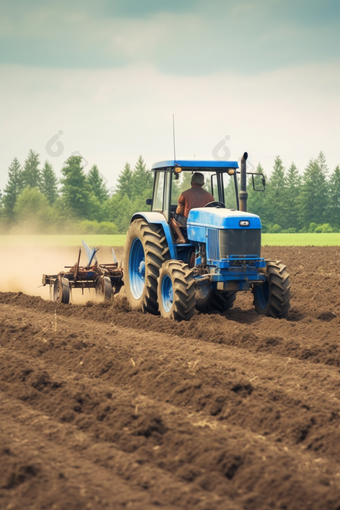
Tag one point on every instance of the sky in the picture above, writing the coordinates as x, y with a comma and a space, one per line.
104, 79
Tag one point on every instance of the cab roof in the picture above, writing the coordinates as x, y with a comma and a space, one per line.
205, 166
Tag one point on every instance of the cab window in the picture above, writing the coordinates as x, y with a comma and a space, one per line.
184, 183
229, 191
158, 195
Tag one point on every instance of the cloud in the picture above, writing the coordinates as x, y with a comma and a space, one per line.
187, 38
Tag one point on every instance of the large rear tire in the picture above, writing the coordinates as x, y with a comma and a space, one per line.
145, 252
272, 297
215, 301
176, 291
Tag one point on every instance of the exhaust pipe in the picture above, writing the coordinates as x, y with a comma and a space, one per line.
243, 195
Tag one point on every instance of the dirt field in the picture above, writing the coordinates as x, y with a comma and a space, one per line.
104, 408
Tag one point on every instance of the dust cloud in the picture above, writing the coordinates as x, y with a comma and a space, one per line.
22, 267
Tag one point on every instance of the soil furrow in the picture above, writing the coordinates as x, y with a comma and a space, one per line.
272, 404
92, 474
310, 339
163, 436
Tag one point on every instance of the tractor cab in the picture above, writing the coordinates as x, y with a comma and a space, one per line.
171, 178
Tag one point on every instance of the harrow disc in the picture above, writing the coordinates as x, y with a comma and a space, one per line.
104, 287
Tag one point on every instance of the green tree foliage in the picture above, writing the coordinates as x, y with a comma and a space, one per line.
31, 173
97, 184
133, 188
75, 189
334, 198
180, 185
124, 182
292, 197
49, 183
119, 209
142, 179
32, 210
321, 160
276, 194
291, 202
314, 194
1, 206
229, 193
13, 188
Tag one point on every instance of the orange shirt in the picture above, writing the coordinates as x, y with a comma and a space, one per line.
194, 197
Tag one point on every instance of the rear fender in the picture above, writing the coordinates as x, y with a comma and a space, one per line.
158, 219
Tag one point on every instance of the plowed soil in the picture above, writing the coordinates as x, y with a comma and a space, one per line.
105, 408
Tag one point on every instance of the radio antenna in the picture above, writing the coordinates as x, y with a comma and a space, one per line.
173, 135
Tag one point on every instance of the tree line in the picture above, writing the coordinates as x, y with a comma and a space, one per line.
298, 203
35, 200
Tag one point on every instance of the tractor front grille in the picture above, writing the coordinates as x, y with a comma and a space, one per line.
213, 244
239, 242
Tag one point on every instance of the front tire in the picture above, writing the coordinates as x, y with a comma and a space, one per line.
145, 252
272, 297
176, 291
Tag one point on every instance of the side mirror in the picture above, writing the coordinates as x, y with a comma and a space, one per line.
149, 201
259, 182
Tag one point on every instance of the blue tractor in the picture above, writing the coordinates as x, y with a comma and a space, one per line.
221, 255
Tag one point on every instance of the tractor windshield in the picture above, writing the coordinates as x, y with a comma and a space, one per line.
184, 183
210, 185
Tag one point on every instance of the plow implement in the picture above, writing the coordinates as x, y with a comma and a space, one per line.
105, 279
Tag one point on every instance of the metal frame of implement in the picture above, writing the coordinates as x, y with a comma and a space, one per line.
106, 279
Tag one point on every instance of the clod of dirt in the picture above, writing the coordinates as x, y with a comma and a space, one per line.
326, 316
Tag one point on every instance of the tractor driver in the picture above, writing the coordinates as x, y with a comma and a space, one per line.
196, 196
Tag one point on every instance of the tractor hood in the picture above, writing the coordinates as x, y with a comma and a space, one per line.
221, 218
225, 232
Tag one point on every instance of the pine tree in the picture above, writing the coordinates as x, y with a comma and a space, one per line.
314, 195
334, 199
97, 184
292, 197
13, 188
31, 173
125, 186
142, 179
276, 194
75, 189
49, 183
321, 160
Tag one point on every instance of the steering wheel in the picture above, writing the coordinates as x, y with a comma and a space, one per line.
215, 204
